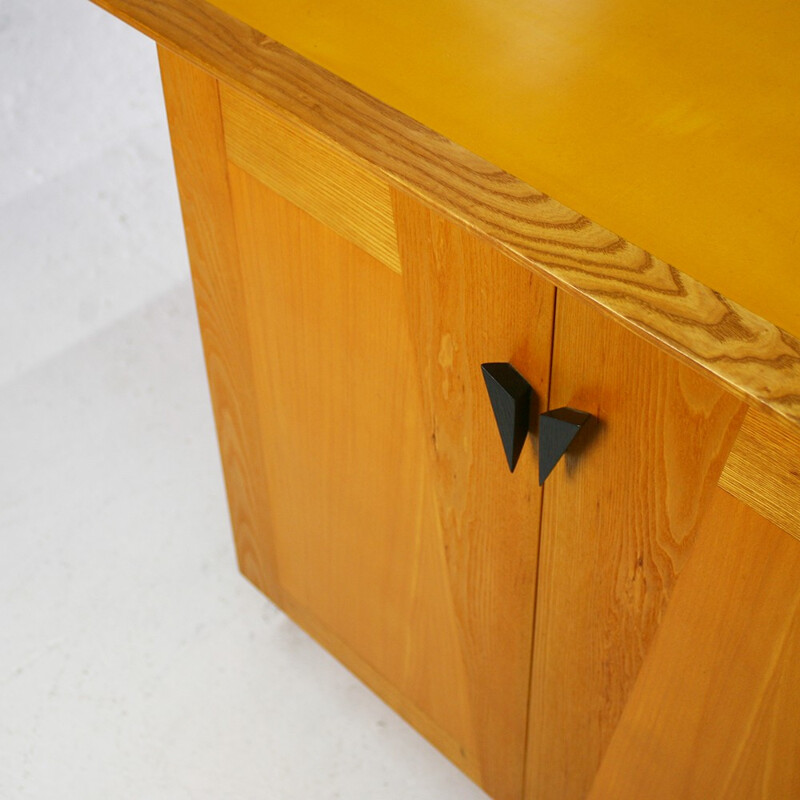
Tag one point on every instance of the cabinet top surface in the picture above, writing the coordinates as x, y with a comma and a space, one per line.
644, 160
677, 126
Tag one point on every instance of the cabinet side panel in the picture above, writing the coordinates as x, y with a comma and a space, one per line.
715, 710
620, 515
195, 122
468, 304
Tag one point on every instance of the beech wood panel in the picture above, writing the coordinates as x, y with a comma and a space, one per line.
620, 514
714, 712
745, 352
312, 172
763, 469
469, 304
195, 121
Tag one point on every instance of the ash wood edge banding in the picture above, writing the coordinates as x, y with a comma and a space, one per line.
310, 171
750, 356
763, 470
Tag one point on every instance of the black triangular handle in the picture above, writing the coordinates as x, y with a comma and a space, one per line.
510, 395
557, 431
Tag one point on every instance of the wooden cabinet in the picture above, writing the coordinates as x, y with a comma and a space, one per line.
629, 630
344, 329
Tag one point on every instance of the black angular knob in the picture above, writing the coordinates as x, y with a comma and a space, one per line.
510, 395
557, 431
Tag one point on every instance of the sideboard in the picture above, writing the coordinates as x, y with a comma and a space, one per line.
630, 628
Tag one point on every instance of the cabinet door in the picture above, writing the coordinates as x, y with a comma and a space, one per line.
620, 520
369, 490
667, 629
467, 304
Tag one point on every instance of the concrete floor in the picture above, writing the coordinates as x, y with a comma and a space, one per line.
134, 661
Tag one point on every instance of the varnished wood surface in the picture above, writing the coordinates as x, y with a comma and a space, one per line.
673, 125
714, 713
620, 514
747, 353
468, 304
195, 122
763, 469
312, 172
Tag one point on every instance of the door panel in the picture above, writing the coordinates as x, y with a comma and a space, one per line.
418, 555
468, 304
619, 520
354, 525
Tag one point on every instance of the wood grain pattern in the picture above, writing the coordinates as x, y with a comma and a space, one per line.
312, 172
468, 304
763, 469
746, 353
714, 712
356, 532
195, 123
620, 515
